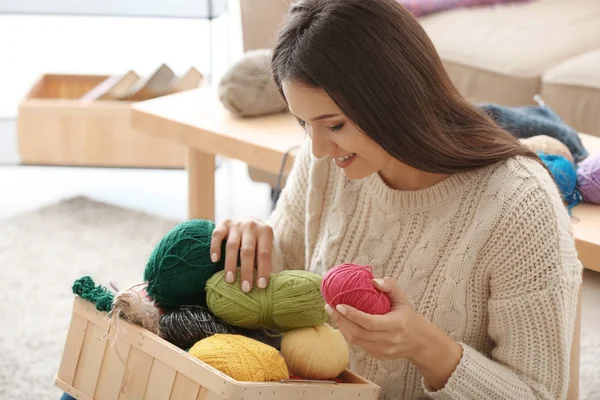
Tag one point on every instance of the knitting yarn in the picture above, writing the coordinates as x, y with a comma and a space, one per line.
180, 265
547, 145
318, 352
86, 288
564, 174
588, 179
291, 300
242, 358
247, 89
136, 308
189, 324
351, 284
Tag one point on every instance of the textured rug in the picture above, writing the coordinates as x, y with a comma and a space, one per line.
43, 252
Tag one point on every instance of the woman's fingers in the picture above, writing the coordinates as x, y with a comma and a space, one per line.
231, 253
248, 255
219, 234
252, 241
264, 255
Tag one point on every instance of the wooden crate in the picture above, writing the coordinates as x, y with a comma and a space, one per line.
56, 127
141, 365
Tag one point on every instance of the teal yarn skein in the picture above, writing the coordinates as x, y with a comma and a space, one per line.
86, 288
180, 265
564, 173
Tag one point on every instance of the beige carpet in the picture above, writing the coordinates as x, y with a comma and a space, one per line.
43, 252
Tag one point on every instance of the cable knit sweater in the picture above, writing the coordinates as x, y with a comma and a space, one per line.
486, 255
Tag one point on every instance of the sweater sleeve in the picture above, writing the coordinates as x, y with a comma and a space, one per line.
534, 277
288, 217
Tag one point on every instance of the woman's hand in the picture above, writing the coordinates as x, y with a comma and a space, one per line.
401, 333
253, 239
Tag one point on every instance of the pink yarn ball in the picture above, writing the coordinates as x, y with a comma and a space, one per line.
351, 284
588, 179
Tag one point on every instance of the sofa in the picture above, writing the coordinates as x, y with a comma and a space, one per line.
504, 54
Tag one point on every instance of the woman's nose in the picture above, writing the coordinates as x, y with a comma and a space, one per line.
321, 145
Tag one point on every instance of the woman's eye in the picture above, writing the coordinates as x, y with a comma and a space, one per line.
336, 127
301, 122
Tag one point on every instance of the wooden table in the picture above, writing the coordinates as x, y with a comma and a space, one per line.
586, 220
197, 120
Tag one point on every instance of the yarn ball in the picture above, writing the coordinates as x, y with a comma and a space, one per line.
318, 352
351, 284
189, 324
547, 145
291, 300
565, 175
241, 358
86, 288
247, 89
180, 265
588, 178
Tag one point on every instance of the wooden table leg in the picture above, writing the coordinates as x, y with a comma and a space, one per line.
201, 185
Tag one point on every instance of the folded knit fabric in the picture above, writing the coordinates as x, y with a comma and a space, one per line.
529, 121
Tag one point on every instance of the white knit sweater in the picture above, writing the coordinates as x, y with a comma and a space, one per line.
487, 256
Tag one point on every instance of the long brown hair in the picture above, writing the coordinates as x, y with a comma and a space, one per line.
379, 66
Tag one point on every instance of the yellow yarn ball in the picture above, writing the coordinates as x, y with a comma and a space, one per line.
319, 352
242, 358
548, 145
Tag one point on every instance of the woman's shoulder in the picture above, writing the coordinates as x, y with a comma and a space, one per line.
526, 194
532, 229
521, 177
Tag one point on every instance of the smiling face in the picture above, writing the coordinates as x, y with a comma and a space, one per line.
333, 134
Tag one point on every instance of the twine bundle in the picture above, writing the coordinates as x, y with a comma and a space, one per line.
136, 308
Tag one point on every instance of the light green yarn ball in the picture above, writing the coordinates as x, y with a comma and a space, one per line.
291, 300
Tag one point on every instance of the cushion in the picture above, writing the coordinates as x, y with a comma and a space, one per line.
572, 89
497, 54
419, 8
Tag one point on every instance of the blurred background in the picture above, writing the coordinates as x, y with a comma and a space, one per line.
106, 38
86, 191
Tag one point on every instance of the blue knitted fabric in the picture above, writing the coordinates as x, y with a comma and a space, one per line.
526, 122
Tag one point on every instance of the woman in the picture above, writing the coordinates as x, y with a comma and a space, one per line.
401, 173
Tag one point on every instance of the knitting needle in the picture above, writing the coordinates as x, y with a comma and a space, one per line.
115, 286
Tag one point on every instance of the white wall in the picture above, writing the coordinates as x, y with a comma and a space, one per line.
31, 45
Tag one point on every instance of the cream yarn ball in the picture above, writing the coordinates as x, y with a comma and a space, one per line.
318, 352
547, 145
248, 89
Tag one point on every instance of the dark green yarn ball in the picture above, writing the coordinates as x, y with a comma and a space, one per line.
180, 265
